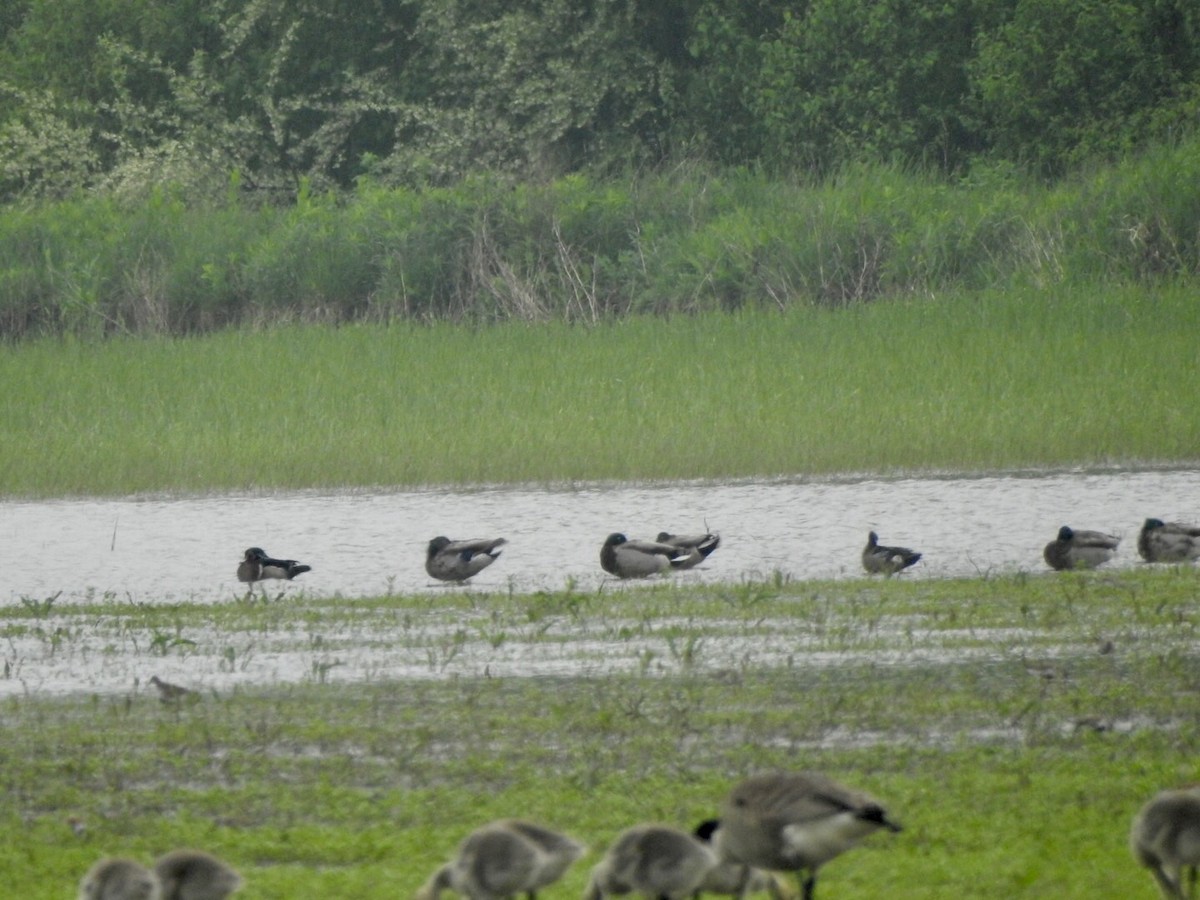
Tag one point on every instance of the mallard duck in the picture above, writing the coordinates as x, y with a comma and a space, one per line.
735, 880
656, 861
878, 559
257, 566
119, 879
638, 559
195, 875
503, 859
1080, 549
795, 823
1165, 838
1161, 541
449, 560
698, 546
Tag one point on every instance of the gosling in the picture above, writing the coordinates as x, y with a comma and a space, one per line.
503, 859
795, 823
119, 879
656, 861
195, 875
726, 878
1165, 838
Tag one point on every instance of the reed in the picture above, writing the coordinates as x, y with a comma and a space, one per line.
966, 382
1013, 746
691, 239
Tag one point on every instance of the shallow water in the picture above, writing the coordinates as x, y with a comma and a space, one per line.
369, 543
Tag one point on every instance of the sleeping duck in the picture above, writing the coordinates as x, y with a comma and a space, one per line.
638, 559
1074, 549
1161, 541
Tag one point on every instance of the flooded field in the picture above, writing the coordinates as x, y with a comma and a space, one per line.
371, 543
327, 743
152, 552
111, 656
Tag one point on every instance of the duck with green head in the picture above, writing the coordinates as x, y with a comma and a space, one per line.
1160, 541
257, 566
639, 559
1079, 549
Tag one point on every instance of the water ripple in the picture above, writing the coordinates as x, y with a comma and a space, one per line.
367, 543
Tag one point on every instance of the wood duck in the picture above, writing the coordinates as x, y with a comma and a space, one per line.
257, 566
878, 559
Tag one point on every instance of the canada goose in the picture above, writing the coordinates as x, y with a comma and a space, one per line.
638, 559
503, 859
1165, 838
656, 861
257, 566
726, 878
449, 560
119, 879
172, 694
1161, 541
794, 822
1080, 549
698, 546
878, 559
195, 875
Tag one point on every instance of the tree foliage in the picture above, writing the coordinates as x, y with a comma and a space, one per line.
1063, 81
285, 95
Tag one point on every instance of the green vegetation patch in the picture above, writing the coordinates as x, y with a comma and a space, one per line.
1013, 725
585, 250
965, 382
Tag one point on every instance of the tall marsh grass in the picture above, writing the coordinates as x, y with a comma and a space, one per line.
1082, 375
577, 250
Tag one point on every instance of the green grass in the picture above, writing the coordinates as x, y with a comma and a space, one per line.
968, 382
689, 239
963, 704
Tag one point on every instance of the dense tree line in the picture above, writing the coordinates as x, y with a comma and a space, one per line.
276, 96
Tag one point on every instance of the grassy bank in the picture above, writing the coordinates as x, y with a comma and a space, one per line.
1013, 725
1092, 375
